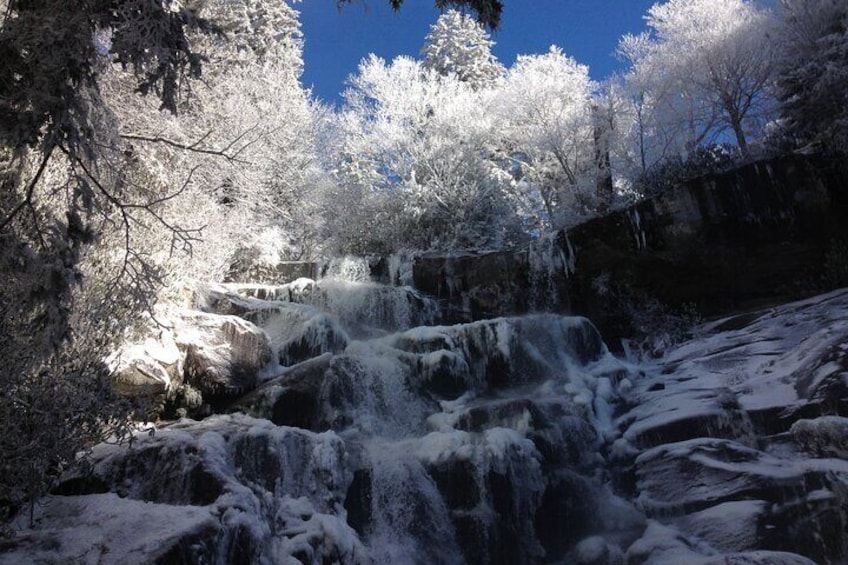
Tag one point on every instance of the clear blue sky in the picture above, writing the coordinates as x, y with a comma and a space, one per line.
588, 30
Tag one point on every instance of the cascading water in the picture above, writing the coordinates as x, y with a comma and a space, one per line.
408, 520
456, 438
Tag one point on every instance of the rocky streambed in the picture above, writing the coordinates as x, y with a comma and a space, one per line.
340, 421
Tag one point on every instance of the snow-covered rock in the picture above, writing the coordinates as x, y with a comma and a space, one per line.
228, 489
149, 368
508, 440
663, 545
826, 436
475, 443
363, 308
189, 359
223, 354
736, 441
110, 530
292, 398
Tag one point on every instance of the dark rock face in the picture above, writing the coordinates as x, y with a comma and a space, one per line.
766, 232
475, 286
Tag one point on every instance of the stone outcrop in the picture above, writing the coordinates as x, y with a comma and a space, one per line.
364, 309
767, 232
229, 489
150, 368
223, 354
195, 361
737, 439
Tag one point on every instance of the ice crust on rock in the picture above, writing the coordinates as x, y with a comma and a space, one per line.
826, 436
110, 530
447, 472
223, 354
363, 308
664, 545
278, 490
189, 359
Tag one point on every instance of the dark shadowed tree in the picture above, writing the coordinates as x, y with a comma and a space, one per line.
487, 12
814, 71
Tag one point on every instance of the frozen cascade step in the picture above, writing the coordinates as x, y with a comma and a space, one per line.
364, 309
438, 444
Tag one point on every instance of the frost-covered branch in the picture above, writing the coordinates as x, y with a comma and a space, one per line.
194, 147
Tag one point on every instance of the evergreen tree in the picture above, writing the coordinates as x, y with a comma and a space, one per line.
458, 45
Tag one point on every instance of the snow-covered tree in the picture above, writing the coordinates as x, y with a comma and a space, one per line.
458, 45
245, 135
413, 160
57, 196
704, 67
544, 111
814, 70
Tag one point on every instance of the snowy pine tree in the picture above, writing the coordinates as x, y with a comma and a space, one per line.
458, 45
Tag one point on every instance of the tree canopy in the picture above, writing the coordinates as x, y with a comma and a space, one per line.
706, 67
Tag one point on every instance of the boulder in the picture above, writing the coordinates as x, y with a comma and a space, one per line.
228, 489
223, 354
150, 368
292, 398
299, 332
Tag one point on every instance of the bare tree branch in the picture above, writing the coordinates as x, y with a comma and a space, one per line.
27, 201
194, 148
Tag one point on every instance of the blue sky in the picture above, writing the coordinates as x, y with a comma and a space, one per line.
588, 30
